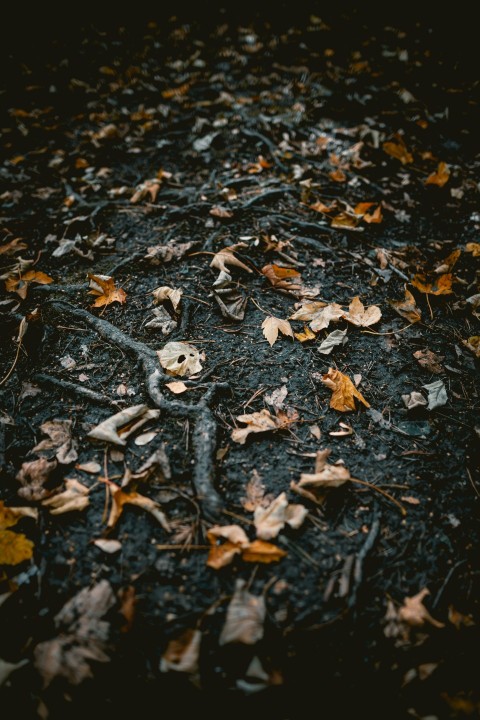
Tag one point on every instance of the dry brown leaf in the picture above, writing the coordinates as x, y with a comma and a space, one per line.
82, 637
91, 467
9, 516
176, 92
12, 247
270, 520
398, 150
259, 551
220, 212
177, 387
281, 277
254, 493
407, 308
225, 257
473, 344
440, 286
161, 294
20, 284
160, 254
306, 335
121, 498
183, 653
262, 421
32, 476
103, 287
473, 248
325, 475
59, 439
344, 391
7, 668
179, 358
429, 360
14, 548
360, 316
414, 613
117, 428
440, 177
148, 188
449, 263
337, 175
74, 497
245, 617
128, 602
362, 208
222, 554
271, 326
375, 217
322, 208
345, 221
458, 619
319, 314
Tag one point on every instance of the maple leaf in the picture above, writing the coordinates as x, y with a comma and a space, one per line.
262, 421
270, 520
407, 308
318, 313
21, 283
103, 287
344, 391
440, 286
360, 316
121, 498
14, 548
281, 277
440, 177
272, 326
398, 150
179, 358
226, 257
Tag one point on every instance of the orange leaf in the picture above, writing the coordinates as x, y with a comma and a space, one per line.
474, 248
375, 217
407, 308
105, 290
361, 208
262, 552
398, 150
440, 177
306, 335
344, 391
322, 208
337, 175
345, 221
20, 284
278, 277
440, 286
13, 247
176, 92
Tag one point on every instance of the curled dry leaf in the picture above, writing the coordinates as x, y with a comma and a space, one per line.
440, 177
429, 360
271, 326
12, 247
59, 439
325, 475
162, 321
344, 432
437, 394
346, 221
117, 428
473, 344
440, 286
220, 212
337, 337
103, 287
398, 150
254, 493
343, 390
359, 315
276, 397
259, 422
121, 498
270, 520
160, 254
226, 257
74, 497
245, 617
259, 551
414, 400
19, 284
375, 217
82, 637
414, 613
91, 467
179, 358
473, 248
230, 300
182, 654
449, 263
32, 476
148, 188
281, 277
407, 308
318, 313
164, 293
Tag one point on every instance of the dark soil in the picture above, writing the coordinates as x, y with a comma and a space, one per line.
266, 90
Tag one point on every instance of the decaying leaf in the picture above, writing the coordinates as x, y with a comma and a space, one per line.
345, 431
12, 247
59, 439
117, 428
343, 390
121, 498
226, 257
220, 212
326, 476
407, 308
337, 337
19, 283
231, 301
414, 613
245, 617
179, 358
14, 548
270, 520
318, 313
82, 637
398, 150
9, 516
429, 360
458, 619
447, 265
259, 422
164, 293
346, 221
103, 288
155, 468
440, 177
414, 400
375, 217
160, 254
254, 493
359, 315
282, 277
74, 497
276, 397
437, 394
162, 321
148, 188
182, 654
440, 286
91, 467
473, 344
271, 326
32, 476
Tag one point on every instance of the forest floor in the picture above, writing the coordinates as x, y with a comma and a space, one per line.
182, 559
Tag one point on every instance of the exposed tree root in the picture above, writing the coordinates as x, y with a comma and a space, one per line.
70, 387
200, 414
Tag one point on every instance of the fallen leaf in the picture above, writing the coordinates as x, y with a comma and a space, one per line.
325, 475
281, 277
162, 321
14, 548
12, 247
322, 208
32, 476
345, 431
179, 358
74, 497
82, 637
414, 613
414, 400
231, 301
259, 422
145, 438
59, 439
9, 516
337, 175
176, 387
440, 286
360, 316
254, 493
259, 551
318, 313
221, 555
103, 287
375, 217
306, 335
449, 263
164, 293
121, 498
7, 668
407, 308
160, 254
226, 257
272, 326
458, 619
316, 432
91, 467
128, 602
337, 337
345, 221
398, 150
429, 360
440, 176
117, 428
410, 500
176, 92
474, 301
473, 248
270, 520
220, 212
21, 283
276, 397
148, 188
437, 394
344, 391
473, 344
182, 654
245, 617
108, 546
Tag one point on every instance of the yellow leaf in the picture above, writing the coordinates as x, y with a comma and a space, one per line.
104, 288
14, 548
474, 248
344, 391
345, 221
398, 150
306, 335
440, 286
260, 551
272, 326
361, 208
9, 516
407, 308
440, 177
